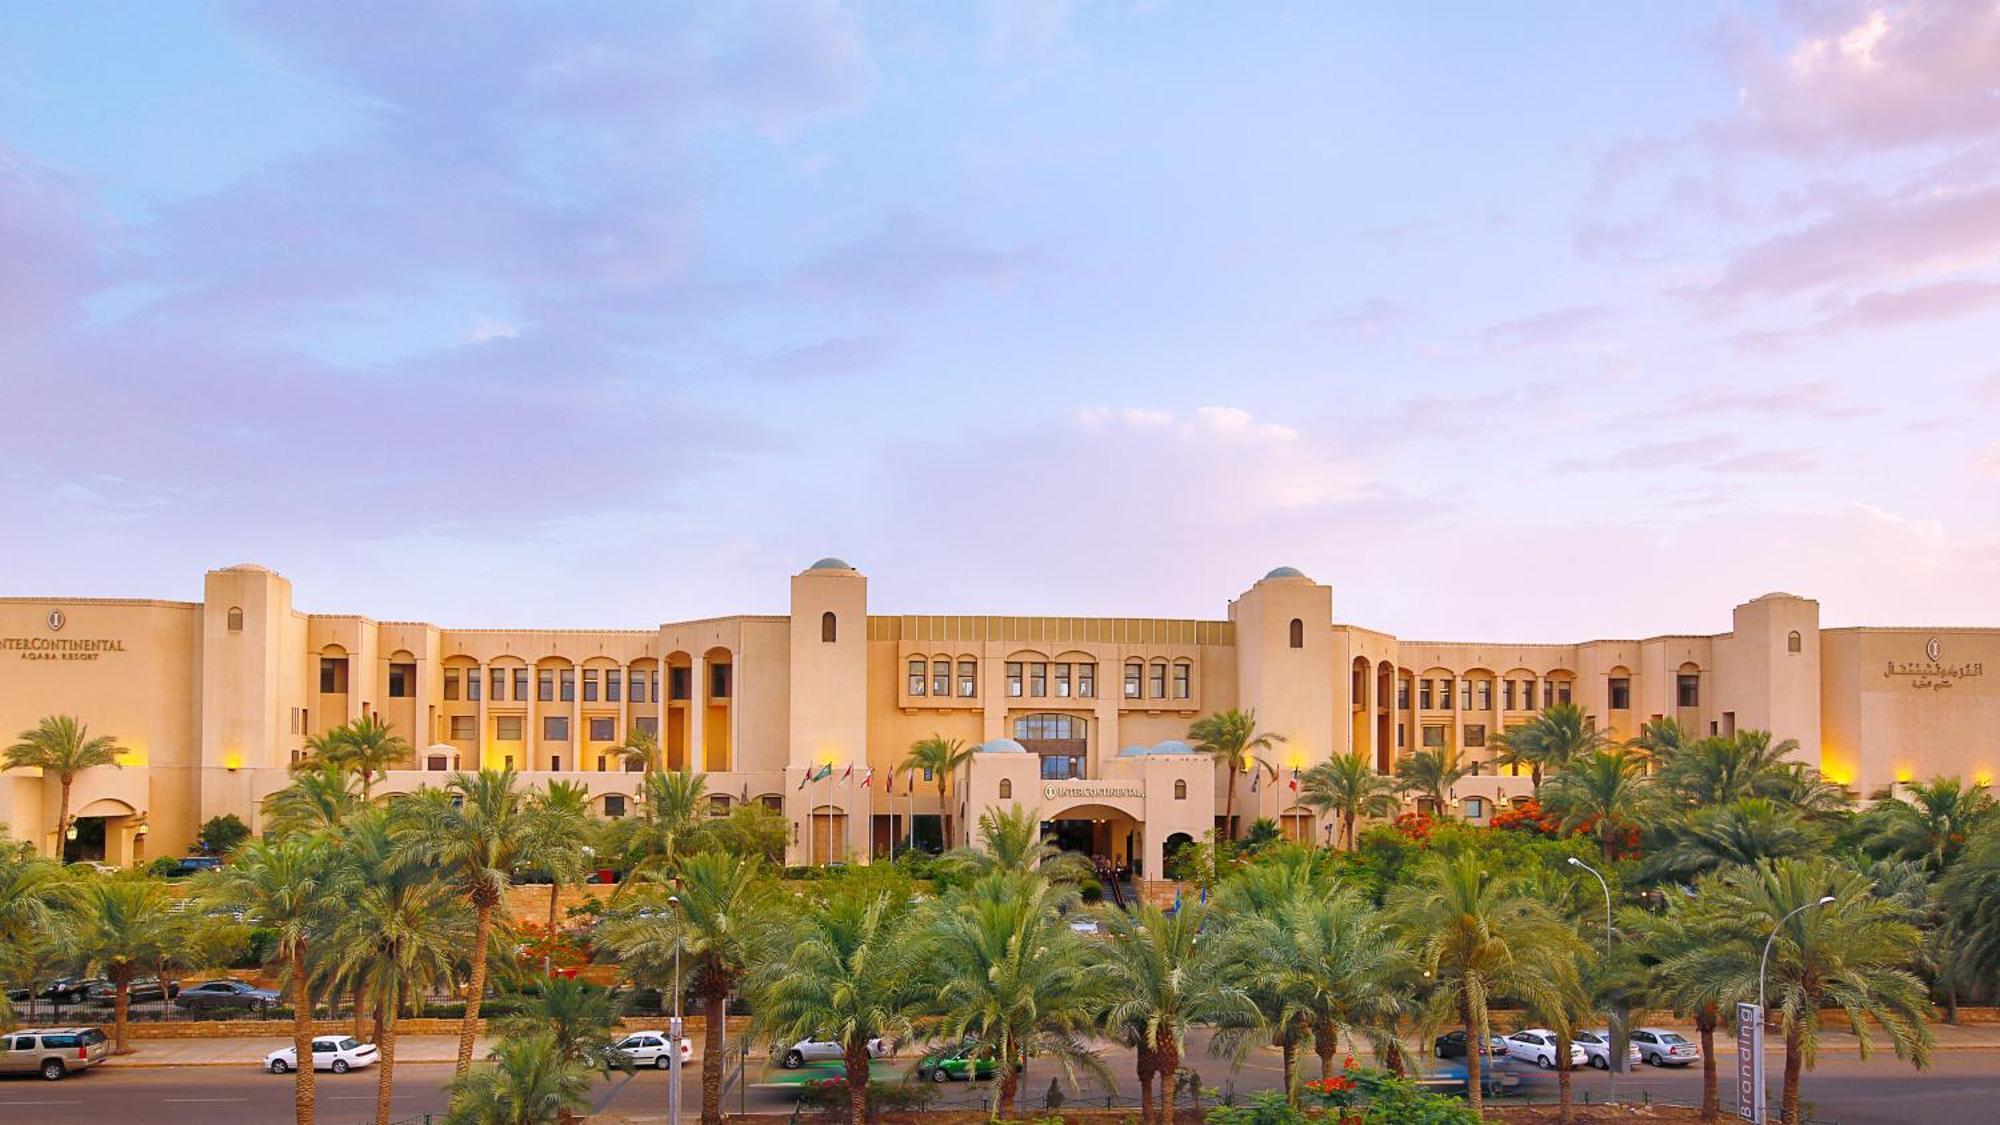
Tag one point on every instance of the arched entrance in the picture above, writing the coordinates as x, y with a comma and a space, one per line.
828, 825
1110, 837
101, 831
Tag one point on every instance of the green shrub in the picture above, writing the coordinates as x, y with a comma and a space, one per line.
883, 1097
221, 833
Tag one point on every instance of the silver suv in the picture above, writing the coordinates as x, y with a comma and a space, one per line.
52, 1052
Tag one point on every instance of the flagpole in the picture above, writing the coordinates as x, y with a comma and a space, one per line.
809, 816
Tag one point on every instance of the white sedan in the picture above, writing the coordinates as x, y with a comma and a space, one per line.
649, 1048
337, 1053
820, 1050
1597, 1045
1538, 1045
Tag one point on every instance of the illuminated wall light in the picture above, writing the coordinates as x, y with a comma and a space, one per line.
232, 762
1983, 777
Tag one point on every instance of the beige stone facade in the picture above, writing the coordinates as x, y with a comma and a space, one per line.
1079, 717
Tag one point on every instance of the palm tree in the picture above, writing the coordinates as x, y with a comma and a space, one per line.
561, 823
939, 758
713, 933
62, 746
1232, 737
32, 894
641, 746
317, 799
1688, 969
842, 972
1805, 789
1606, 791
529, 1083
365, 747
1011, 840
400, 932
582, 1017
288, 886
1722, 768
1331, 966
476, 832
1556, 735
1742, 832
1661, 739
119, 928
1970, 897
1015, 976
668, 827
1474, 936
1431, 774
1933, 825
1851, 953
1159, 980
1349, 786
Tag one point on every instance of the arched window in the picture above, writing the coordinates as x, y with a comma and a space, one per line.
1298, 633
941, 678
917, 678
1134, 673
236, 623
1180, 789
829, 628
1794, 642
1006, 788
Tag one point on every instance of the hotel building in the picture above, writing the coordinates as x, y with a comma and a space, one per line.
1084, 718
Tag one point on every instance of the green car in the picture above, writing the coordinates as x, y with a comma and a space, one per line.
957, 1063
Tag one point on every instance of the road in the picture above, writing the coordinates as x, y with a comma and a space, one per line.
1959, 1089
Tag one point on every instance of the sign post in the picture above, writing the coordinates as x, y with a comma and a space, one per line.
1750, 1062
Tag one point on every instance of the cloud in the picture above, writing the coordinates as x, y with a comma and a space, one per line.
1870, 242
909, 255
830, 358
1767, 461
1810, 399
49, 237
1986, 462
1546, 329
1368, 320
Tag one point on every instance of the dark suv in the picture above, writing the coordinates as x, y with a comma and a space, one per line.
138, 992
210, 995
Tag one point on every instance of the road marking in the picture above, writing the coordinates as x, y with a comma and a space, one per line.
204, 1099
40, 1103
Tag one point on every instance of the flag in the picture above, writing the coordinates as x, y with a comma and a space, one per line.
848, 774
1295, 779
867, 777
913, 783
1256, 775
807, 779
825, 772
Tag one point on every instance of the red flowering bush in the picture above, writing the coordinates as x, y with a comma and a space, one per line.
1528, 817
1415, 825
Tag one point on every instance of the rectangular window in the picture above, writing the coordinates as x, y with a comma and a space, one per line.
614, 805
1086, 681
1475, 734
1562, 688
1424, 695
648, 723
464, 728
677, 679
450, 684
603, 729
1621, 693
1485, 694
472, 683
917, 681
941, 678
652, 685
1475, 808
1402, 695
507, 728
680, 682
333, 675
1132, 677
545, 685
1038, 679
1183, 681
1014, 679
1433, 736
555, 728
613, 680
1465, 695
590, 685
1688, 689
1444, 695
1399, 736
402, 681
718, 681
1156, 681
1507, 696
968, 679
521, 685
1063, 681
499, 678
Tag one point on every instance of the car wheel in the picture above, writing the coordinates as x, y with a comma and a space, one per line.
1545, 1062
794, 1060
939, 1075
53, 1070
662, 1062
1599, 1064
340, 1066
1652, 1060
278, 1066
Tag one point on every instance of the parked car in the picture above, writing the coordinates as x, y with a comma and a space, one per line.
213, 994
52, 1052
196, 864
960, 1063
1538, 1045
1452, 1078
1451, 1045
820, 1050
1597, 1045
70, 990
337, 1053
649, 1048
1661, 1047
140, 991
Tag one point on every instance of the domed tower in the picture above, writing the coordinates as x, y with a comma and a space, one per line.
828, 705
1284, 671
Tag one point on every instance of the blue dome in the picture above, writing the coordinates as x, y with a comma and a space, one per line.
1132, 752
1173, 746
1286, 572
1000, 746
830, 563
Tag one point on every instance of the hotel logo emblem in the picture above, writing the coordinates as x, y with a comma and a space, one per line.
57, 620
1933, 649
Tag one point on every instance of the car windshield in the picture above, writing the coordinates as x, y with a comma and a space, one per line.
1587, 1037
348, 1044
1670, 1037
91, 1036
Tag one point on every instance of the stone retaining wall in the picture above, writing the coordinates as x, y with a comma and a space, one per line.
282, 1029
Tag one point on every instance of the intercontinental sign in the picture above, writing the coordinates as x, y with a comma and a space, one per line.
1932, 673
1070, 790
60, 648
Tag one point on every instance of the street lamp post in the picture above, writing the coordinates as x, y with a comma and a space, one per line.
674, 1030
1614, 1058
1764, 965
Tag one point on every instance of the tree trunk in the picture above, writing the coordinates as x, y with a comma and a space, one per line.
1146, 1062
302, 1039
1475, 1089
468, 1025
1565, 1083
360, 1001
1169, 1062
1291, 1049
1010, 1082
1229, 806
1951, 1004
711, 1057
62, 821
1347, 828
857, 1081
944, 816
555, 891
1711, 1101
1392, 1056
385, 1080
1794, 1060
1326, 1044
121, 1011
